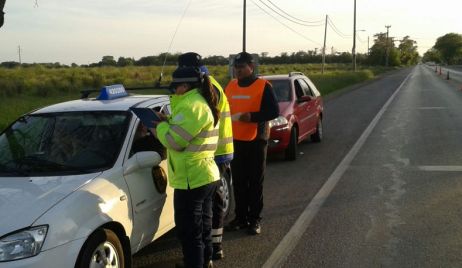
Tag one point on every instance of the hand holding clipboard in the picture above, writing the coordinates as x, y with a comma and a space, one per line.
148, 117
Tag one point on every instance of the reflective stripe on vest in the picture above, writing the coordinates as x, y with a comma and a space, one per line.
188, 137
201, 147
225, 141
243, 100
225, 136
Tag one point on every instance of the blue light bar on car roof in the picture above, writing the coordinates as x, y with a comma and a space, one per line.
112, 92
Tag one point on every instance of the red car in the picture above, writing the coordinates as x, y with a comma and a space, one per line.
301, 113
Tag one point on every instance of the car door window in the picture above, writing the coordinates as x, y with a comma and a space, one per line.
313, 88
304, 87
298, 89
145, 141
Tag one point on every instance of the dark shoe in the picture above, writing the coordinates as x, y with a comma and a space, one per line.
254, 228
236, 225
218, 255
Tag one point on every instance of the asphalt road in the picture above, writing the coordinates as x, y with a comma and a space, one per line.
381, 190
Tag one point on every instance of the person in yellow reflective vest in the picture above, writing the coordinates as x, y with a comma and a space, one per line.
223, 154
190, 135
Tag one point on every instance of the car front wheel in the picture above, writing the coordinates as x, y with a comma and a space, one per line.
228, 191
317, 136
102, 249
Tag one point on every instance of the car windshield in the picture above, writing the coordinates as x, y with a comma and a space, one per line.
62, 143
281, 89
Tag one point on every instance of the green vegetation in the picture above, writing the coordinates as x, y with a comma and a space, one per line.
25, 89
447, 49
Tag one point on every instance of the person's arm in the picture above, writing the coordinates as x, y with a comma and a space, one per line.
269, 108
177, 133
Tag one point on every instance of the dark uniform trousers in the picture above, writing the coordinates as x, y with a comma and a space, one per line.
248, 167
193, 219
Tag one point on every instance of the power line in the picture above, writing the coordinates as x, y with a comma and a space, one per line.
289, 19
336, 30
304, 37
318, 22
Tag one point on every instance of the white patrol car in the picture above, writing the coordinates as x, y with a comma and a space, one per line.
76, 190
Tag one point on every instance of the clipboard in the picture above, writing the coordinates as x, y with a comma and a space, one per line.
146, 115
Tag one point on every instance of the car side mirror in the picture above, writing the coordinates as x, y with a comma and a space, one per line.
141, 160
305, 99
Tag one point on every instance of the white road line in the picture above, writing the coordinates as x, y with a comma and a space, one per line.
290, 240
432, 108
440, 168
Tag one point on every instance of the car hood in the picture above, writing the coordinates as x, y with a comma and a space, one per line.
24, 199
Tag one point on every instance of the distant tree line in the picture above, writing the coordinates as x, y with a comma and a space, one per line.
447, 49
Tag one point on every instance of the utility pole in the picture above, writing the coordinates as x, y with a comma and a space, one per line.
368, 50
2, 14
353, 51
244, 25
324, 47
19, 53
387, 51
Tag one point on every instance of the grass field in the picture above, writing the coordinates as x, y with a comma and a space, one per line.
26, 89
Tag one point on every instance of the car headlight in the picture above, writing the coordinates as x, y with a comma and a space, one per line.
22, 244
280, 121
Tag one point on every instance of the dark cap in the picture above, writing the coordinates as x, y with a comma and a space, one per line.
182, 75
243, 58
190, 59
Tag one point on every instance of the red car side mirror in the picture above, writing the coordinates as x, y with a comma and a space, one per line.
305, 99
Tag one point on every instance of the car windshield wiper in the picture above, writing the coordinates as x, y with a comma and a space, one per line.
38, 163
12, 171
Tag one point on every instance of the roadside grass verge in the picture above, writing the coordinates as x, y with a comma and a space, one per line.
26, 89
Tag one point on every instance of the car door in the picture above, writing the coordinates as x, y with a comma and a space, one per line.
317, 101
311, 107
152, 209
303, 108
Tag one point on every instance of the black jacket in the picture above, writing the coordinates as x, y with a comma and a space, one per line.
269, 108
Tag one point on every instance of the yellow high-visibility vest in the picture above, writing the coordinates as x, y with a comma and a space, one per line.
225, 129
191, 141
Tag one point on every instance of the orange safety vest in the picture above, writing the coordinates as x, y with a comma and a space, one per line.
242, 100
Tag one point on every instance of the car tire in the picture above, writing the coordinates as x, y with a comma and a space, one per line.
229, 193
317, 136
102, 247
292, 149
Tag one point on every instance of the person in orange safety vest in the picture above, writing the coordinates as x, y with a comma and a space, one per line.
252, 104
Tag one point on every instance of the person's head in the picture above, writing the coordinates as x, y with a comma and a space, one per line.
243, 65
185, 79
141, 131
192, 59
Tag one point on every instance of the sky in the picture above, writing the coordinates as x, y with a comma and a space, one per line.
83, 31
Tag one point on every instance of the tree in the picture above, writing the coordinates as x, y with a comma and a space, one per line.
432, 55
450, 47
378, 49
108, 61
408, 51
122, 62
